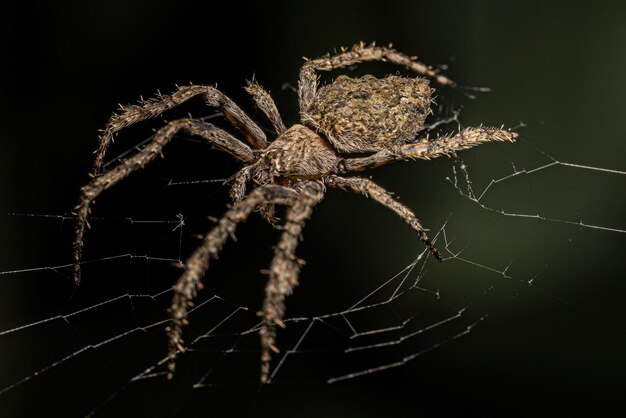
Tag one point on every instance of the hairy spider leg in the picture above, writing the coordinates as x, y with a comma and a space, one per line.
307, 85
145, 155
190, 283
264, 101
239, 187
284, 271
426, 150
372, 190
153, 107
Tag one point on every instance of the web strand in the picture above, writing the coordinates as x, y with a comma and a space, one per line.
395, 321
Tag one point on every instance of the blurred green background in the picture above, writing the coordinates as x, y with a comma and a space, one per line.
557, 67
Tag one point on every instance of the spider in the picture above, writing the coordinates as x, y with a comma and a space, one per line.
348, 125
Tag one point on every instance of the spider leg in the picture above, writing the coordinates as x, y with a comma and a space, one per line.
307, 85
426, 150
372, 190
264, 101
238, 189
284, 271
150, 108
190, 283
148, 153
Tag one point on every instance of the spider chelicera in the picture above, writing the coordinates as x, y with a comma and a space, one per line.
349, 125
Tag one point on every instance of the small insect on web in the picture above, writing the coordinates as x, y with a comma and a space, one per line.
340, 122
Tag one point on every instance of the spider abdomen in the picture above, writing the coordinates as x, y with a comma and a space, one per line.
369, 114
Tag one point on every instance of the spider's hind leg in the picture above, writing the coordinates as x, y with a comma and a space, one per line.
284, 271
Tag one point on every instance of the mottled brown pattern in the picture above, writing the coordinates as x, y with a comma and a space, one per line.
299, 153
370, 114
346, 117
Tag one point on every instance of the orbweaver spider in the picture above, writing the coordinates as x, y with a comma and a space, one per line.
367, 115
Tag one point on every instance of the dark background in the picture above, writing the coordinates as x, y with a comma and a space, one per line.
555, 347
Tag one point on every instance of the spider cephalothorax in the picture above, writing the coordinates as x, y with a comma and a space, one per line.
349, 125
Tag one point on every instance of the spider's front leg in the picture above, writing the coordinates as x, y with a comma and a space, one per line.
307, 85
189, 283
284, 271
147, 154
151, 108
426, 150
372, 190
264, 101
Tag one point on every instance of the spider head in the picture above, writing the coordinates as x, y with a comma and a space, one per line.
370, 114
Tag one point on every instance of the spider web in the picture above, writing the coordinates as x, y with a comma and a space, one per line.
511, 231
